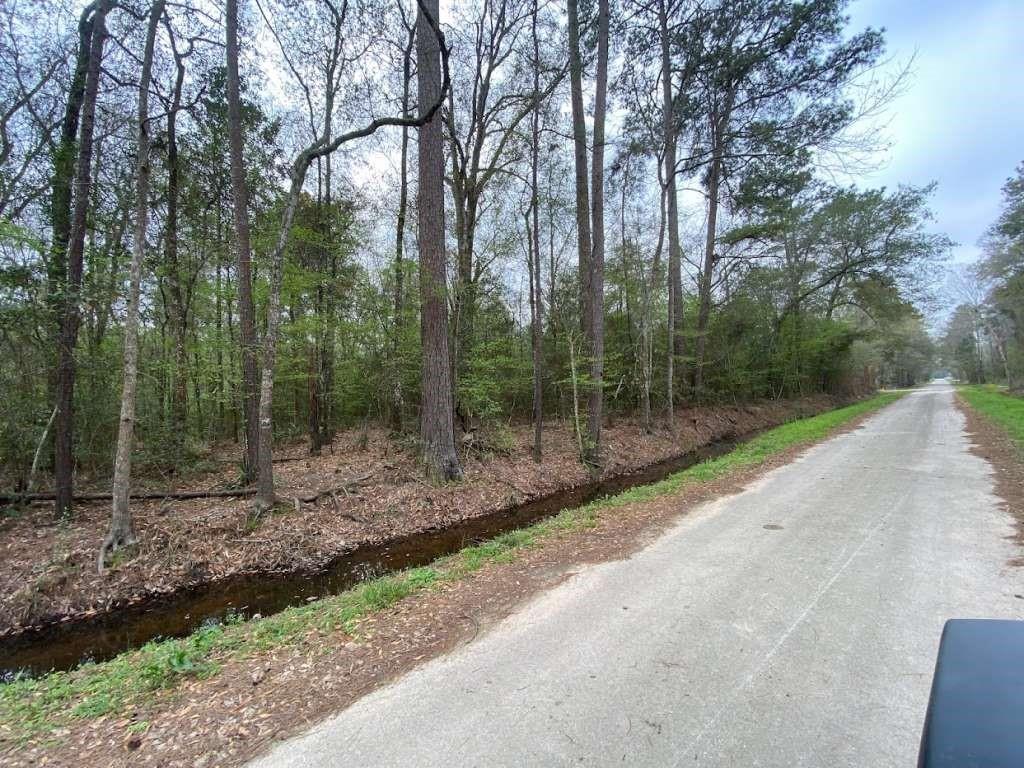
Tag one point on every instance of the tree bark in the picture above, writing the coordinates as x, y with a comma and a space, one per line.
398, 323
178, 304
122, 533
322, 370
597, 257
240, 193
536, 299
64, 161
71, 316
706, 276
676, 342
579, 133
648, 284
436, 416
265, 495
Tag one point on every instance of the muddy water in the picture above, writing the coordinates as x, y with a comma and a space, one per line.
66, 645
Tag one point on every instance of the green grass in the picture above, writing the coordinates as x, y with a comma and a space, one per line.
37, 707
995, 404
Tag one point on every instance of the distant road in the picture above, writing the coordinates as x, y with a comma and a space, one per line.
794, 624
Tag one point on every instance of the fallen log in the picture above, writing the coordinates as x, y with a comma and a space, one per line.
312, 498
14, 498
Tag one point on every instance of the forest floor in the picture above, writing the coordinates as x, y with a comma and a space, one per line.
48, 572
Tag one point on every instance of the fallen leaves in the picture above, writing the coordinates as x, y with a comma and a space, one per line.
199, 541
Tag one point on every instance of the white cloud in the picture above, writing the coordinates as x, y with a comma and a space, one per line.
960, 120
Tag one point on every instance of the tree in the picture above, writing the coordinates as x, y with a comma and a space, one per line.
243, 246
590, 215
670, 135
70, 317
121, 533
397, 403
533, 233
596, 264
770, 86
436, 410
179, 293
482, 129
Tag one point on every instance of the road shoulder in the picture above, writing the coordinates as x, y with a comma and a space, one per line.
991, 442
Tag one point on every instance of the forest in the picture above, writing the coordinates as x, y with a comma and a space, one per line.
233, 229
983, 341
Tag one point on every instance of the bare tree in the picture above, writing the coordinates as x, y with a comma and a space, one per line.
397, 400
480, 150
675, 286
179, 299
28, 119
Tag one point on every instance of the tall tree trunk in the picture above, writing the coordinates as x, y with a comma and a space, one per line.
536, 299
70, 316
436, 413
322, 371
579, 135
178, 304
398, 323
64, 165
676, 341
706, 276
325, 374
221, 378
465, 296
121, 533
265, 494
648, 284
240, 193
596, 282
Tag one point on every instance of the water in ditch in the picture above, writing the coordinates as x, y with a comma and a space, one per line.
66, 645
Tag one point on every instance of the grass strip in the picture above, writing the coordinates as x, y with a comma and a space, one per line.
40, 706
996, 405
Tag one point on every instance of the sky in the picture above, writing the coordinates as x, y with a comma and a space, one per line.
960, 120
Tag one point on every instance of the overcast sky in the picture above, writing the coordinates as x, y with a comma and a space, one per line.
960, 121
